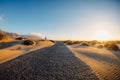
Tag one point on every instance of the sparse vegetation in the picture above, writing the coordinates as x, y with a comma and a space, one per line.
52, 41
21, 38
94, 42
29, 42
100, 46
84, 44
111, 45
118, 42
69, 42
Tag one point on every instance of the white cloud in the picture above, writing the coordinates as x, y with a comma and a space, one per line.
35, 34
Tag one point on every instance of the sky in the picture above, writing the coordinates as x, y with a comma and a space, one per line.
61, 19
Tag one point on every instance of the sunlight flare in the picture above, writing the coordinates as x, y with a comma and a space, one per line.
102, 35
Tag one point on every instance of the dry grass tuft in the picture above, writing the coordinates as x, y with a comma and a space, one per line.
84, 44
111, 45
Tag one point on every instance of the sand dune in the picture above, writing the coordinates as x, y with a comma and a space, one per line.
104, 63
10, 50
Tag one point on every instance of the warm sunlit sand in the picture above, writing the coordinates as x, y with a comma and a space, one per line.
104, 63
59, 39
17, 49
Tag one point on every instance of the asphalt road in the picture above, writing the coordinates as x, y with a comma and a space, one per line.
52, 63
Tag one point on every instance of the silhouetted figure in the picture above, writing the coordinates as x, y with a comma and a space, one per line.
45, 38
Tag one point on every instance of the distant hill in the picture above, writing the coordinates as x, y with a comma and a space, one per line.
2, 32
15, 35
3, 35
31, 37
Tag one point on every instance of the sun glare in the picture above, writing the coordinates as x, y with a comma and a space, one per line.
102, 35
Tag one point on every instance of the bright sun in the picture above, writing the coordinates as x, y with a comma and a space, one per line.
102, 35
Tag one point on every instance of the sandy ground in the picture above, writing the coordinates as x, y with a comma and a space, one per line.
104, 63
12, 49
51, 63
46, 61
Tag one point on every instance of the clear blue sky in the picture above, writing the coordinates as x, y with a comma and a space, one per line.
61, 19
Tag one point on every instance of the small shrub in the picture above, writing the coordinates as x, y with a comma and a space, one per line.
100, 46
76, 42
94, 42
111, 45
21, 38
52, 41
118, 42
41, 40
29, 42
84, 44
69, 43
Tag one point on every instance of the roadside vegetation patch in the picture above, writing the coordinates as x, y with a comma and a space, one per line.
111, 45
29, 42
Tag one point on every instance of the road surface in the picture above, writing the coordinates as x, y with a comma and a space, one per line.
52, 63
